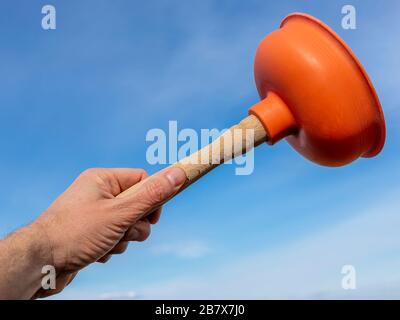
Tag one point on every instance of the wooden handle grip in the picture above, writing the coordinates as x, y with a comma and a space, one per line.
236, 141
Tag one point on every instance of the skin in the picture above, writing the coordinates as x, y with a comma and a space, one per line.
85, 224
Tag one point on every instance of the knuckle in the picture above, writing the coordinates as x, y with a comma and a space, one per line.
156, 191
118, 251
104, 259
118, 206
142, 172
90, 172
144, 235
121, 248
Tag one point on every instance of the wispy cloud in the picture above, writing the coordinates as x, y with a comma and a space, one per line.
311, 267
118, 295
183, 249
90, 294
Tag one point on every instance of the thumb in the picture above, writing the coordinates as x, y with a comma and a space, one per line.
154, 191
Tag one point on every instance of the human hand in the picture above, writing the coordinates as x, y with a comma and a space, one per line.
87, 223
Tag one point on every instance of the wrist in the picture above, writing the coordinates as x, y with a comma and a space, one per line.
24, 254
41, 244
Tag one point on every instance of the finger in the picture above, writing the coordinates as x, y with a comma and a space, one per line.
120, 247
155, 216
125, 178
116, 180
152, 193
139, 232
72, 277
105, 258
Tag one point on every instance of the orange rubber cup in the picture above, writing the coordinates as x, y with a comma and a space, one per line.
316, 93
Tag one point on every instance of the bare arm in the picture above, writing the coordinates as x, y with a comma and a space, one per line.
22, 256
86, 224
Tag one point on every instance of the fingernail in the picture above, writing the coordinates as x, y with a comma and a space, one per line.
176, 176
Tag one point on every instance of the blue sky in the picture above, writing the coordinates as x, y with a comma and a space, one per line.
85, 95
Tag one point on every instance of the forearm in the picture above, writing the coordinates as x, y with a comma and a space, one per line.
22, 257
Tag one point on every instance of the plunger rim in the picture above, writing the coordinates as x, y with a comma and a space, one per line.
382, 126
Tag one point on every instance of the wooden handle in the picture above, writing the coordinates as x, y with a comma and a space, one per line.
236, 141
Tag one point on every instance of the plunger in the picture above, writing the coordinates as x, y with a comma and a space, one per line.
314, 92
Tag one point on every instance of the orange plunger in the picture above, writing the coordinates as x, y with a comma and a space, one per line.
315, 93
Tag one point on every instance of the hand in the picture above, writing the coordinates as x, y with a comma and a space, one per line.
87, 223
